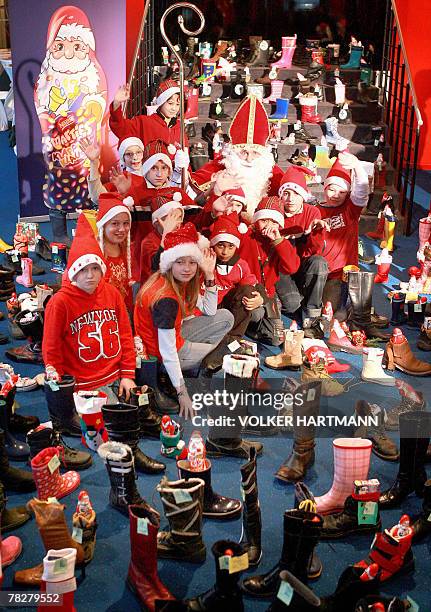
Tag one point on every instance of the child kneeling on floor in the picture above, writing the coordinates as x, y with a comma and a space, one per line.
166, 303
87, 332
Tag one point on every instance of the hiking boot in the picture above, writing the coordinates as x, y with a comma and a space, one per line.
318, 371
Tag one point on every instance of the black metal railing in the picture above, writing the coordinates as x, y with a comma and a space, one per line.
401, 113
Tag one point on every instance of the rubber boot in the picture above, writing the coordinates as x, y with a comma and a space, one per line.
422, 526
288, 46
31, 324
142, 577
383, 268
372, 370
360, 289
11, 518
61, 406
46, 473
192, 110
216, 506
251, 515
290, 357
309, 110
383, 446
225, 594
379, 231
398, 303
302, 455
148, 374
415, 429
58, 219
333, 137
14, 479
281, 112
88, 406
262, 56
183, 541
301, 531
15, 449
59, 577
58, 257
118, 459
354, 59
149, 420
388, 236
26, 278
351, 462
276, 92
122, 425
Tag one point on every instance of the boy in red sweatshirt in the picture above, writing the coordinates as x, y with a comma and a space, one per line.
87, 332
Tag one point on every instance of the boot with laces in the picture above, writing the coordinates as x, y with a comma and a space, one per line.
318, 371
383, 446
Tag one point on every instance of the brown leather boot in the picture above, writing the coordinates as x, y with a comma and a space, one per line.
55, 535
400, 356
301, 458
290, 357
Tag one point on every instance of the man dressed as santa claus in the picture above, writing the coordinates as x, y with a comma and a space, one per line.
246, 161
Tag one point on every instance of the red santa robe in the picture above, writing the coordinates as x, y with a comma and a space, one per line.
310, 243
231, 274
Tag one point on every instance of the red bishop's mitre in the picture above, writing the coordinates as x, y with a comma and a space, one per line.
250, 124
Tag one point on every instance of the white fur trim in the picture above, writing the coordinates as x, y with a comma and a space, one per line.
115, 451
129, 202
177, 197
78, 31
85, 260
243, 228
267, 213
337, 180
164, 97
296, 188
115, 210
131, 141
187, 249
165, 209
149, 163
203, 242
308, 100
241, 366
225, 238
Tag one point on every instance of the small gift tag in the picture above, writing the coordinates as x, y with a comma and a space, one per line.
14, 258
53, 464
311, 394
142, 526
285, 592
52, 385
238, 564
417, 308
77, 535
339, 331
60, 565
375, 409
52, 500
54, 249
367, 513
243, 495
223, 562
181, 496
138, 362
143, 399
233, 346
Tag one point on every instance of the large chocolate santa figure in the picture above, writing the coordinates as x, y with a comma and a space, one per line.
70, 98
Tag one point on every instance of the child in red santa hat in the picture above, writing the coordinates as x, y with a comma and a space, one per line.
87, 332
113, 225
268, 254
166, 301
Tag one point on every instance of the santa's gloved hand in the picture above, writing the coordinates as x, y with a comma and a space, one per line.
181, 160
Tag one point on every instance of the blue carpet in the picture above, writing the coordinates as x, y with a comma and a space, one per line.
104, 588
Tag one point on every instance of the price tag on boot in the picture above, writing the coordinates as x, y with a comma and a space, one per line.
233, 346
54, 249
285, 592
138, 362
417, 308
367, 513
238, 564
60, 565
223, 562
142, 526
77, 534
414, 607
182, 496
53, 464
52, 385
143, 399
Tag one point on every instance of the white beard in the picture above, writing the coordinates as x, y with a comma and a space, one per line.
82, 72
254, 178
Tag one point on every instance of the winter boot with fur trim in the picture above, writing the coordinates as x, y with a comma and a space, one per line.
46, 473
89, 408
251, 515
58, 577
119, 462
309, 110
61, 406
183, 505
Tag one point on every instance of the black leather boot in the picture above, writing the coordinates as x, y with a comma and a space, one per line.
16, 449
398, 304
251, 515
216, 506
45, 437
18, 423
302, 455
390, 604
11, 518
360, 288
31, 325
383, 446
119, 462
14, 479
416, 314
225, 594
422, 526
61, 406
121, 422
415, 428
166, 401
301, 533
346, 522
149, 420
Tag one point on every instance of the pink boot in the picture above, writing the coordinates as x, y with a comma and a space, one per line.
26, 278
276, 91
10, 549
424, 235
351, 462
288, 46
59, 578
46, 473
338, 340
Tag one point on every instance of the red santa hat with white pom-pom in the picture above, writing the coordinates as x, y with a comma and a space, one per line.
294, 179
110, 205
228, 228
162, 206
183, 242
165, 91
236, 195
270, 207
155, 151
338, 175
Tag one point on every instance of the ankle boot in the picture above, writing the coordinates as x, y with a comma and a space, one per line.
59, 577
415, 428
318, 372
410, 401
45, 437
422, 526
290, 357
424, 340
61, 406
225, 594
251, 515
43, 249
347, 522
31, 324
216, 506
383, 446
301, 533
351, 462
55, 534
13, 478
122, 425
16, 450
262, 56
166, 401
46, 473
142, 577
400, 356
85, 526
398, 303
183, 505
302, 455
18, 423
360, 289
11, 518
149, 420
118, 459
